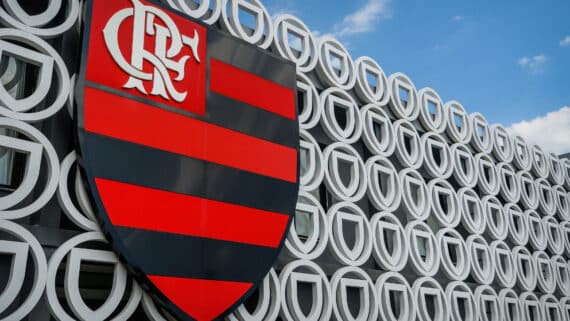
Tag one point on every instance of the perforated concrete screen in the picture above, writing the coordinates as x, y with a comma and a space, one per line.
410, 207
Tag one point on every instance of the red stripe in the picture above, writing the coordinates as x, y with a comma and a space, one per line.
203, 300
137, 207
246, 87
135, 122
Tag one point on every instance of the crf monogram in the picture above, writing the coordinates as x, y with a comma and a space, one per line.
148, 20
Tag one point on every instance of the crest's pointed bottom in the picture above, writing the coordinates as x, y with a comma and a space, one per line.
204, 300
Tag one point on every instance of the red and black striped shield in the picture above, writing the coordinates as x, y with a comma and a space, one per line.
189, 140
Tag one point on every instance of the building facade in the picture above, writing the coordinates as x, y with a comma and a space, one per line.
409, 207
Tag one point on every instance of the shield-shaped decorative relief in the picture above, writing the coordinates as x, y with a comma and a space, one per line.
189, 139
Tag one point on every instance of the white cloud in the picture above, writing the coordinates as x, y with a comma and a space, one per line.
551, 132
364, 19
565, 42
281, 11
318, 35
282, 7
534, 65
457, 18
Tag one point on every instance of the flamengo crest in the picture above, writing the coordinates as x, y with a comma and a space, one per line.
154, 22
189, 140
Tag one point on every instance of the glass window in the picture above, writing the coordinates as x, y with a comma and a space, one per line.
303, 224
12, 73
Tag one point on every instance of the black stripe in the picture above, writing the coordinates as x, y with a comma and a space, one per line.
252, 59
126, 162
175, 255
252, 121
231, 114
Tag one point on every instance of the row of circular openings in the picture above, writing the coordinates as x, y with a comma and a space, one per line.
310, 99
548, 166
393, 299
384, 190
497, 141
555, 176
524, 265
407, 190
310, 150
429, 301
502, 143
393, 245
392, 253
520, 227
494, 179
546, 308
514, 187
498, 263
384, 235
424, 300
342, 121
458, 302
382, 183
313, 230
378, 134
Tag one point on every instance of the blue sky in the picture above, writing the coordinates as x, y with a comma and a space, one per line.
509, 60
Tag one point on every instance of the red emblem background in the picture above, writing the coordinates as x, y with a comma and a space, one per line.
104, 70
